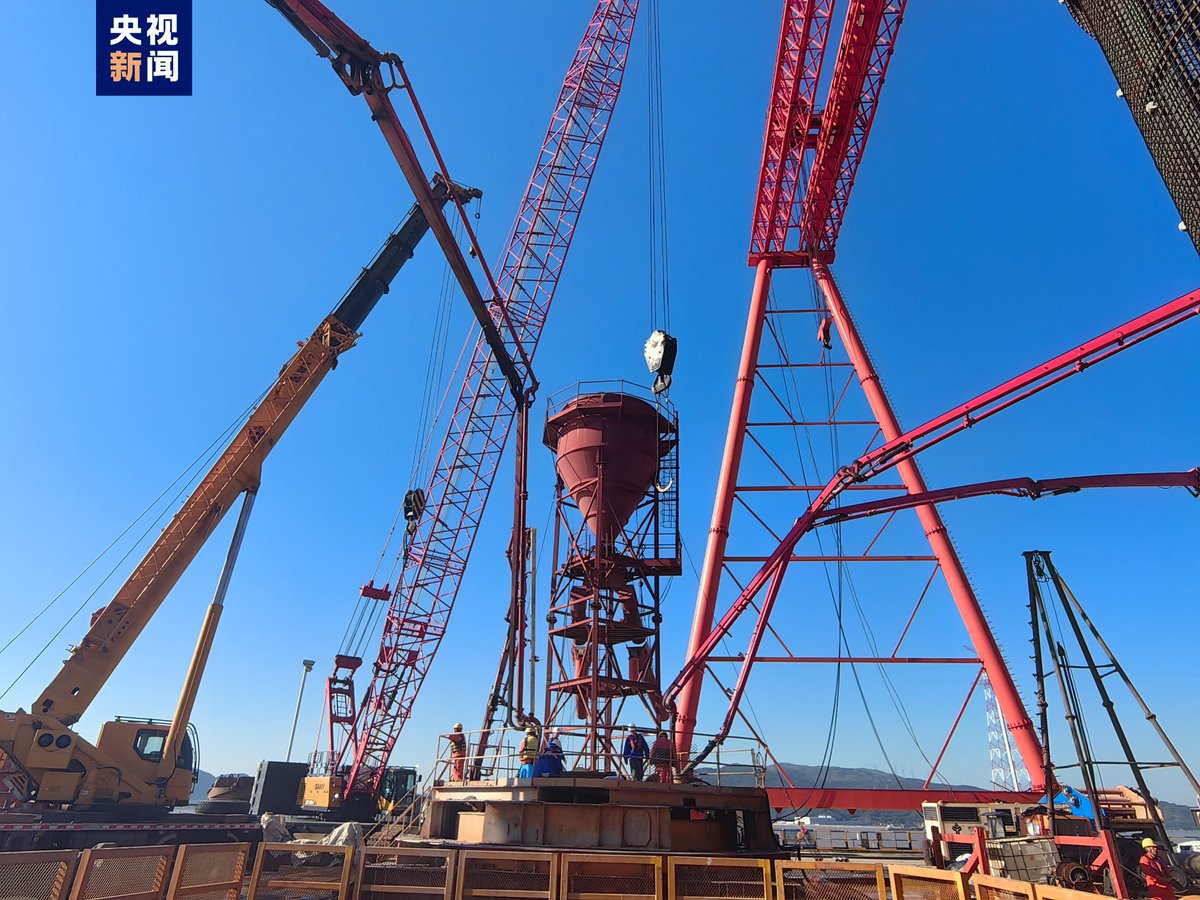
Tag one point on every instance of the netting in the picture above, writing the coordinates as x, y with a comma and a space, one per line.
37, 876
714, 880
1153, 47
386, 869
828, 884
120, 873
494, 877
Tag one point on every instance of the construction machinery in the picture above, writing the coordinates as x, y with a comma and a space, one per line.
146, 767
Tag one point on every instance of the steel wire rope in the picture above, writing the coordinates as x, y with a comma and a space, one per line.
203, 455
843, 574
365, 616
660, 283
195, 467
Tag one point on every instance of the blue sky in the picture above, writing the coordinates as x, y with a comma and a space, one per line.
162, 256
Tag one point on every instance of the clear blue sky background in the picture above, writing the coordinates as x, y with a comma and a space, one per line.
161, 256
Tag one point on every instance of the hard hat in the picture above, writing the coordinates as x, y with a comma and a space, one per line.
634, 729
1149, 842
458, 726
531, 730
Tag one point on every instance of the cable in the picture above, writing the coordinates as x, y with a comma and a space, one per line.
206, 456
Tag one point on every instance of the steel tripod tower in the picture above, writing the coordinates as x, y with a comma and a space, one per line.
810, 159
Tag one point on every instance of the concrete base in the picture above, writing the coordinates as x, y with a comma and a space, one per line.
583, 813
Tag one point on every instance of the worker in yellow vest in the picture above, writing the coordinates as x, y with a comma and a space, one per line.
529, 752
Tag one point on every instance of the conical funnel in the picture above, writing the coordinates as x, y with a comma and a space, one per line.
607, 448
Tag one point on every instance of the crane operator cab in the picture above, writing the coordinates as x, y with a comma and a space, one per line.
50, 764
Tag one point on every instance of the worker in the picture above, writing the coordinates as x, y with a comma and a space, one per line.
529, 753
635, 753
662, 754
1156, 872
551, 761
458, 752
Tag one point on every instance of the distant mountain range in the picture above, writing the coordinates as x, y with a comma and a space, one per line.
1175, 816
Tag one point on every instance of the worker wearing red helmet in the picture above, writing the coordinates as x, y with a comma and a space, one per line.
1156, 872
662, 756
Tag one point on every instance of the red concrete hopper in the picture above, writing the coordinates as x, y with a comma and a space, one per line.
613, 434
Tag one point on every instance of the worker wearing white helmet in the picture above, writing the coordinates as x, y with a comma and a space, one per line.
1156, 872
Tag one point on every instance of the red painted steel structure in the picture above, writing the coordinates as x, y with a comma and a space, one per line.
532, 262
810, 159
885, 798
616, 457
904, 447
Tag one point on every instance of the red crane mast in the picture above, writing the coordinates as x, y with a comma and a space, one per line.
457, 491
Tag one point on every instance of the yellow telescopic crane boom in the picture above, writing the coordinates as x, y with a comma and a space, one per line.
136, 764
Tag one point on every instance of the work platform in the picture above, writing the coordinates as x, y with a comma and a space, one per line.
595, 813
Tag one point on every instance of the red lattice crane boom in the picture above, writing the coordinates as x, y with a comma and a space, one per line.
531, 264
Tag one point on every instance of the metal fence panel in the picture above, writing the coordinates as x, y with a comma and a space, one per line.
485, 873
992, 887
713, 877
209, 872
409, 872
815, 880
123, 873
1049, 892
598, 876
923, 883
299, 871
38, 875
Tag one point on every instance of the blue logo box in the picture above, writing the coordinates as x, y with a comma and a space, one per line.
143, 48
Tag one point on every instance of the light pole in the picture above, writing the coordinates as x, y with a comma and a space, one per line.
308, 667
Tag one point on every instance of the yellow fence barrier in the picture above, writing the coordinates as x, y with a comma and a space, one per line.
817, 880
1049, 892
123, 873
298, 870
709, 877
396, 873
991, 887
209, 872
597, 876
922, 883
525, 874
37, 875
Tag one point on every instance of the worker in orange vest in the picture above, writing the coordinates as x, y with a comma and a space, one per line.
458, 752
1156, 872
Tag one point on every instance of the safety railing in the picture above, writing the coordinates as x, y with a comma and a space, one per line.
923, 883
486, 873
398, 873
992, 887
820, 880
37, 875
209, 872
589, 876
297, 870
709, 877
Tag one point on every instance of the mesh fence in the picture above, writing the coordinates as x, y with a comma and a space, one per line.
391, 871
123, 873
1153, 47
585, 876
992, 888
710, 878
36, 876
506, 875
817, 881
912, 883
209, 872
301, 872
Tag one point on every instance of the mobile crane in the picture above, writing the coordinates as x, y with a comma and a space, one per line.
145, 767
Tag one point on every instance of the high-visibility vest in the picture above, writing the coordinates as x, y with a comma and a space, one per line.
529, 749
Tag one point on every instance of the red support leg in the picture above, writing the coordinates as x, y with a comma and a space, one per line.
982, 639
